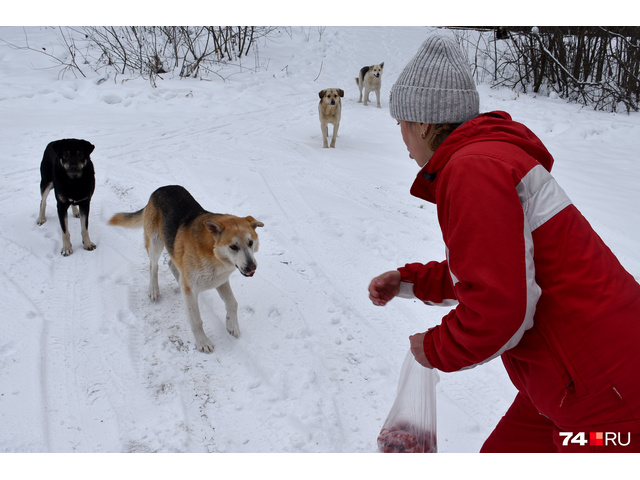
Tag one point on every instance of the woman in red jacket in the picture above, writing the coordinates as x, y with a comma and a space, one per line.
531, 280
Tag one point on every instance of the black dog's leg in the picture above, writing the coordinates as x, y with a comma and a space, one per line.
46, 184
66, 236
44, 191
84, 225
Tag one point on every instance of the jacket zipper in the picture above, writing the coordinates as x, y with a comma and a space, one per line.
566, 392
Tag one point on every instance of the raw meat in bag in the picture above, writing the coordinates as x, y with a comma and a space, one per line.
410, 426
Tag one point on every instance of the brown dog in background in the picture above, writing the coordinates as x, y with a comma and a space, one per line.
205, 248
330, 111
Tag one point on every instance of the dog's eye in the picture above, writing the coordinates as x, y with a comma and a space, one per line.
234, 248
250, 243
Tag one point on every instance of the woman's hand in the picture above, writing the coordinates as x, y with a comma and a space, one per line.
384, 287
417, 349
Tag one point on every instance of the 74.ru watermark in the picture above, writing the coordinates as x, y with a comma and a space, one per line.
596, 439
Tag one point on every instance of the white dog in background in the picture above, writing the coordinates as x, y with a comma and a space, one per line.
370, 80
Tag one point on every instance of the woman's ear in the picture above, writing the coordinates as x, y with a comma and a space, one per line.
425, 130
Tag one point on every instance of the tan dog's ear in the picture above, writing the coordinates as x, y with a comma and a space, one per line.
213, 227
340, 92
253, 222
321, 93
382, 65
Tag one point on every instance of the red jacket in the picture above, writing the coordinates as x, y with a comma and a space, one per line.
533, 281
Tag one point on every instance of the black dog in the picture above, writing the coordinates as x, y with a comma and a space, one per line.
67, 168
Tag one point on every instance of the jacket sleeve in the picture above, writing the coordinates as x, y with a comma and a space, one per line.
490, 260
430, 283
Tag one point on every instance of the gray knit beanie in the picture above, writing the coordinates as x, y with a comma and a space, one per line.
435, 86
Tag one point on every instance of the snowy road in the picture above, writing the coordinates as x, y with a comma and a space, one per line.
89, 364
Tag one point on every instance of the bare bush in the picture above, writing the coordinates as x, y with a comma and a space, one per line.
189, 51
68, 61
152, 51
595, 66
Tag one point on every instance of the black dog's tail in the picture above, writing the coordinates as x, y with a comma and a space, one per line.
128, 220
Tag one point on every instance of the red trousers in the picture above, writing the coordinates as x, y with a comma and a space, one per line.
524, 430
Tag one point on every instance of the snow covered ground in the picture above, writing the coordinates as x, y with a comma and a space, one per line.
89, 364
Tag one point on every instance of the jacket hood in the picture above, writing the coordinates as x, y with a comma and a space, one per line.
493, 126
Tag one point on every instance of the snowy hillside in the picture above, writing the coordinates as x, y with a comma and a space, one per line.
89, 364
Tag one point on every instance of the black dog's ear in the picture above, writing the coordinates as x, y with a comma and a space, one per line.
88, 147
57, 148
321, 93
340, 92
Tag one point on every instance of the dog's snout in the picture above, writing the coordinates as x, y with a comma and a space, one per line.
74, 169
249, 269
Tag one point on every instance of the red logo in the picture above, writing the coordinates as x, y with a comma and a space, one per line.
596, 438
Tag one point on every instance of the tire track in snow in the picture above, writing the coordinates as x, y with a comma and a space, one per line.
84, 395
26, 402
75, 377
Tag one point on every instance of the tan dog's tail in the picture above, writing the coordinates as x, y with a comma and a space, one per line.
128, 220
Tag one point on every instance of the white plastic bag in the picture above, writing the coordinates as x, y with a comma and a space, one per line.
410, 426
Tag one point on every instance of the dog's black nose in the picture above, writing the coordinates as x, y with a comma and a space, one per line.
249, 269
74, 171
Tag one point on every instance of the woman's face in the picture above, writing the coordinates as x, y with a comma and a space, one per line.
418, 147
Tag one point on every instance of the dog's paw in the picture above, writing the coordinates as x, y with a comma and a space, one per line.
154, 292
233, 329
204, 346
41, 220
66, 251
89, 245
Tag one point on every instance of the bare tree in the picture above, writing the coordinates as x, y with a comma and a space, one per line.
595, 66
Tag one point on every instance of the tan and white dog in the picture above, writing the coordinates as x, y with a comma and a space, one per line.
330, 111
370, 79
205, 248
